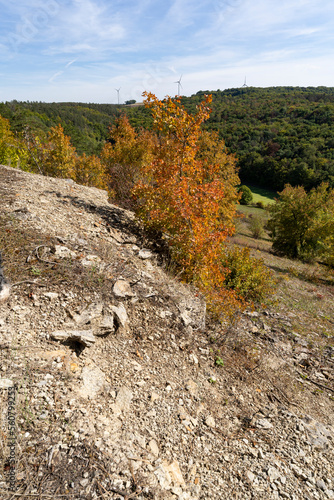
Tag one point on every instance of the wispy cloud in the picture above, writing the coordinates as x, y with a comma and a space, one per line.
80, 49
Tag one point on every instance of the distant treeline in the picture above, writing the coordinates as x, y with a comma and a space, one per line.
279, 134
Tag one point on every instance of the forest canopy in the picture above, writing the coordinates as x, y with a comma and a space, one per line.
279, 135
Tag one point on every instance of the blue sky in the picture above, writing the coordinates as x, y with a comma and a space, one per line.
82, 50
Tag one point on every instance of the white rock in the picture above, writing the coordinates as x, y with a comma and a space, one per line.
5, 383
122, 289
273, 474
145, 254
123, 400
90, 261
93, 381
64, 252
88, 314
121, 315
154, 397
106, 325
186, 319
154, 447
193, 358
210, 422
264, 423
250, 476
85, 337
51, 295
192, 387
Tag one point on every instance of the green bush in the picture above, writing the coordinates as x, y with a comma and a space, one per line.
256, 227
302, 224
246, 195
247, 276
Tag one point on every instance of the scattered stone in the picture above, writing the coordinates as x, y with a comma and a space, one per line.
154, 447
210, 422
273, 474
123, 401
186, 319
145, 254
51, 295
5, 383
154, 397
88, 314
106, 325
192, 387
91, 261
78, 396
122, 289
319, 435
250, 476
193, 358
84, 337
63, 252
121, 318
169, 475
298, 472
321, 484
263, 423
93, 381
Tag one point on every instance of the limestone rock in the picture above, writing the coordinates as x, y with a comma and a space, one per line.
84, 337
122, 289
91, 261
121, 316
144, 254
123, 400
93, 381
63, 252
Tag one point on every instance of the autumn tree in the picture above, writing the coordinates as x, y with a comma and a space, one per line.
123, 158
52, 155
302, 224
189, 193
89, 171
12, 151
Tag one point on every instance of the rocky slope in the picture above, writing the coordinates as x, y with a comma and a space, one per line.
125, 389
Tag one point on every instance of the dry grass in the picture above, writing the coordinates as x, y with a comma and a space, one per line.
28, 258
305, 292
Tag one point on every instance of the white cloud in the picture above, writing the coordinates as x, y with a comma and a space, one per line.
83, 49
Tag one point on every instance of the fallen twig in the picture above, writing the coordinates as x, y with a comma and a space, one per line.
9, 346
27, 281
40, 258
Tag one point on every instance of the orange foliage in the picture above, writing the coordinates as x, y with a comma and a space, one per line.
189, 195
123, 158
89, 171
57, 156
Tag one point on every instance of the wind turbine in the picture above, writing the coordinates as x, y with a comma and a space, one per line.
179, 86
117, 90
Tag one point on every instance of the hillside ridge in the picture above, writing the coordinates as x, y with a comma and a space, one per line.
126, 387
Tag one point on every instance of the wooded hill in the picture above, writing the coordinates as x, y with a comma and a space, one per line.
279, 134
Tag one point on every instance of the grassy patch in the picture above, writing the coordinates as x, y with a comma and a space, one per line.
305, 292
266, 196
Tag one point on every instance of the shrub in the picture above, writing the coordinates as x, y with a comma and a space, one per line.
246, 195
247, 276
52, 155
12, 152
89, 171
123, 158
256, 227
302, 224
